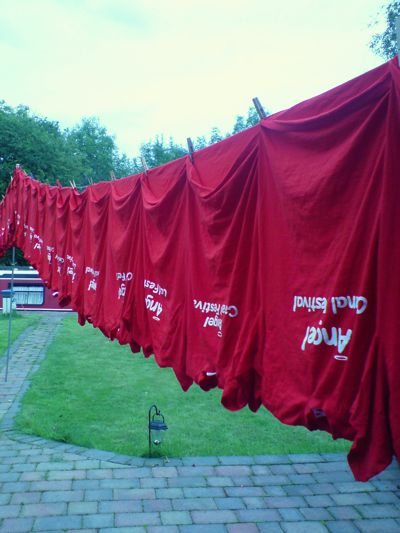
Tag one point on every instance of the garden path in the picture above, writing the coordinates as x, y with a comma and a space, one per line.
53, 486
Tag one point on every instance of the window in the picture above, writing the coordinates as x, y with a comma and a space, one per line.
29, 294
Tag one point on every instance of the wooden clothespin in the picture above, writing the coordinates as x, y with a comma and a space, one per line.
112, 175
397, 24
144, 164
259, 108
190, 148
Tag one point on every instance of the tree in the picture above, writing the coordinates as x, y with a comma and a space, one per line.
36, 143
250, 120
385, 44
156, 152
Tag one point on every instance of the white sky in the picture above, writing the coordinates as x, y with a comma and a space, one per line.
176, 67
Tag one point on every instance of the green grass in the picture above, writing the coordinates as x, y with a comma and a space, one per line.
19, 323
96, 393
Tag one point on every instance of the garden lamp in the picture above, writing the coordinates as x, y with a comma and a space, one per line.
157, 427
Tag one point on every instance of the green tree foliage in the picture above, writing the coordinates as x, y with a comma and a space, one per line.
82, 154
244, 122
157, 152
385, 44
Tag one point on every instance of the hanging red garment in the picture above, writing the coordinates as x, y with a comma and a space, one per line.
267, 266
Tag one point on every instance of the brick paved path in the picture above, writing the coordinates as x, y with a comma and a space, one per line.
49, 486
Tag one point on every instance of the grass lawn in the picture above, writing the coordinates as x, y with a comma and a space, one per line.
96, 393
20, 321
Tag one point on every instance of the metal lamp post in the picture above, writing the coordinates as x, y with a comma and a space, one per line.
157, 427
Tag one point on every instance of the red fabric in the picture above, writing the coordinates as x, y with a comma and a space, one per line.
267, 267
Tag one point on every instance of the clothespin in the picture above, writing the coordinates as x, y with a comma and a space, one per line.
90, 180
112, 175
259, 108
397, 24
58, 183
73, 184
190, 148
144, 164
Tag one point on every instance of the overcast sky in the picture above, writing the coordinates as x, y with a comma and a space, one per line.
177, 67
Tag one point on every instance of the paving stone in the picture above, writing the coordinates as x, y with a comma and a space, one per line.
282, 469
200, 492
220, 481
354, 486
243, 528
385, 525
98, 520
96, 474
322, 488
235, 460
57, 523
189, 481
196, 470
271, 480
214, 517
85, 484
333, 466
152, 482
255, 502
298, 490
315, 513
99, 494
193, 504
230, 471
26, 497
385, 497
134, 494
379, 511
197, 528
352, 498
270, 527
258, 515
272, 459
163, 529
285, 501
67, 474
260, 470
333, 477
175, 517
169, 493
44, 509
210, 461
342, 526
319, 501
344, 513
5, 498
290, 515
120, 506
82, 508
230, 503
136, 519
304, 527
61, 496
18, 486
50, 485
119, 484
274, 490
165, 471
244, 491
133, 473
54, 466
157, 505
16, 525
9, 511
